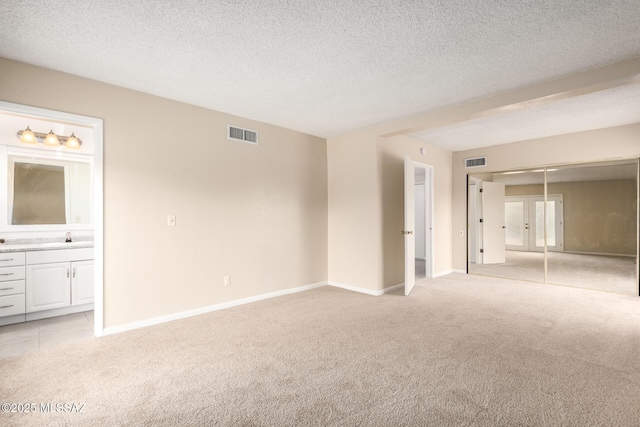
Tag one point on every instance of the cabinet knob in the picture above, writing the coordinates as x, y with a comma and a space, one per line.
74, 272
67, 272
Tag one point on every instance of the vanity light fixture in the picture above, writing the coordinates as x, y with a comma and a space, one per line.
50, 139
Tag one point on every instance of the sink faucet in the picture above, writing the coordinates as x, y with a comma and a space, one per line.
68, 238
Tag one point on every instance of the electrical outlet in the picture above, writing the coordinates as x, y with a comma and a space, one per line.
171, 220
461, 233
227, 280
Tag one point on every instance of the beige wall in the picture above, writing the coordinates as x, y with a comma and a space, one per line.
258, 214
366, 207
360, 227
599, 216
354, 221
602, 144
293, 211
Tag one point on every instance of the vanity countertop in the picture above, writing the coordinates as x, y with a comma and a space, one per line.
23, 245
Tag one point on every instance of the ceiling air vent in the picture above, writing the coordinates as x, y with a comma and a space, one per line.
475, 162
239, 134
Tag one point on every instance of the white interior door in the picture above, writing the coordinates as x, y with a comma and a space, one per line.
493, 223
409, 225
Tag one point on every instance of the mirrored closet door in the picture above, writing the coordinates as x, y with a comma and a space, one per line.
585, 227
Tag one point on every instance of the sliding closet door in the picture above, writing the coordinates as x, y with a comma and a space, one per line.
599, 226
518, 261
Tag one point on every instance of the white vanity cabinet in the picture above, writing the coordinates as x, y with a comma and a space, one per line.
82, 282
58, 282
48, 286
12, 287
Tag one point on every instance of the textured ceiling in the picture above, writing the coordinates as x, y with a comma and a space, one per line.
607, 108
321, 67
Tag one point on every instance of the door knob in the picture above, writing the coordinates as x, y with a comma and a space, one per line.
406, 232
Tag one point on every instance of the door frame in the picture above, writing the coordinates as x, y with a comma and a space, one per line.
428, 214
97, 191
409, 195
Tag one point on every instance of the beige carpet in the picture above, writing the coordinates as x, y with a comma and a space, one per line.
460, 351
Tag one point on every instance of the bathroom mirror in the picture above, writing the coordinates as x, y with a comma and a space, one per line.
43, 192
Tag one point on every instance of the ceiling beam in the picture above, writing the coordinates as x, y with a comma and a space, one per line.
612, 76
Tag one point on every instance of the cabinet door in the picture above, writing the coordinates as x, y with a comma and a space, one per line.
81, 282
48, 286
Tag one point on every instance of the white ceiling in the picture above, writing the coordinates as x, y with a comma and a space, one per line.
327, 67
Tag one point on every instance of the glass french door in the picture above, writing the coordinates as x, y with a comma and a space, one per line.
524, 220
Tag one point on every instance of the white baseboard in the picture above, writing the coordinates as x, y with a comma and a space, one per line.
356, 289
392, 288
208, 309
365, 291
195, 312
442, 273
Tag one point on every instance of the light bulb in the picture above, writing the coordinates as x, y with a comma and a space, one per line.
28, 136
51, 139
72, 142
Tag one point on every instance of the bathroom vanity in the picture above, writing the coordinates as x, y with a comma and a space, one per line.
41, 279
49, 190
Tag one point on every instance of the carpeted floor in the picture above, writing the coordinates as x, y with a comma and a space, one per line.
459, 351
601, 272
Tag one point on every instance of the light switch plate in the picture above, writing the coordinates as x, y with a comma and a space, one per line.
171, 220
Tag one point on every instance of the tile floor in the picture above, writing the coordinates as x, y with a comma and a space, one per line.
21, 338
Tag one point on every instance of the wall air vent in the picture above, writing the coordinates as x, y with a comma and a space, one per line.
239, 134
475, 162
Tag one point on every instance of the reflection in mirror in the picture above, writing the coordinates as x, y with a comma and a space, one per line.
599, 225
590, 218
48, 192
505, 229
38, 194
